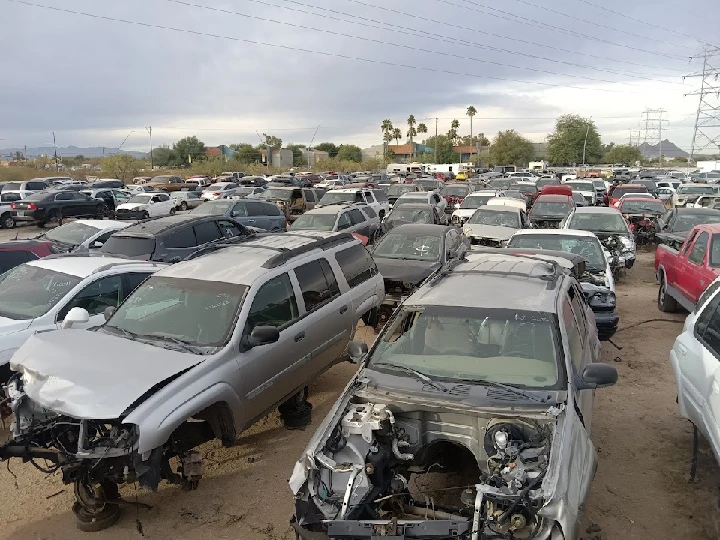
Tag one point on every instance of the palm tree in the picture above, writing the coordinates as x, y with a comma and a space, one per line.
397, 135
411, 125
422, 128
471, 111
386, 127
453, 133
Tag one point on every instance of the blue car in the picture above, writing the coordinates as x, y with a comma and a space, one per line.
260, 214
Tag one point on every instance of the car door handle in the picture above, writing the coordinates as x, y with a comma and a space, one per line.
682, 348
300, 336
250, 220
343, 309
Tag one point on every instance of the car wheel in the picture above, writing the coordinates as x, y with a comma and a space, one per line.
101, 212
183, 206
54, 218
7, 221
666, 303
145, 215
172, 211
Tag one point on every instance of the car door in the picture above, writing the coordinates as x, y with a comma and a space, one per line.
360, 224
256, 217
344, 223
691, 278
327, 319
175, 245
356, 268
95, 297
165, 204
64, 203
269, 372
207, 232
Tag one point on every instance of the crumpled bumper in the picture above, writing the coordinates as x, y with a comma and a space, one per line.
607, 323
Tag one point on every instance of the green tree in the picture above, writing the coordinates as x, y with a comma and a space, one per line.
188, 149
422, 128
328, 147
272, 141
121, 166
163, 156
297, 149
386, 127
397, 135
245, 153
623, 153
453, 131
511, 148
411, 132
350, 152
445, 152
471, 111
565, 145
42, 162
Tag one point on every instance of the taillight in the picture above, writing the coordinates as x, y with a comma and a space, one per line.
12, 205
31, 206
218, 193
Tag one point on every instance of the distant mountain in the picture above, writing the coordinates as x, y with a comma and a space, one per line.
69, 151
669, 150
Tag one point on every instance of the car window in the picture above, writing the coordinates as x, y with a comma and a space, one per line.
207, 232
578, 305
707, 326
64, 196
96, 297
357, 217
380, 196
370, 212
183, 238
344, 221
309, 195
36, 186
316, 288
255, 209
133, 281
270, 209
436, 198
229, 229
697, 255
274, 304
574, 338
11, 259
163, 197
357, 264
78, 196
240, 210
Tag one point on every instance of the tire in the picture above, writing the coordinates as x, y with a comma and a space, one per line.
666, 303
7, 221
55, 216
172, 211
145, 215
371, 318
183, 206
101, 211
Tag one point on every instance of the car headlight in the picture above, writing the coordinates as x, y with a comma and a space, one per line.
467, 231
603, 300
627, 243
457, 205
504, 243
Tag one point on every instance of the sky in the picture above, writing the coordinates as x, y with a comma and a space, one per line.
99, 73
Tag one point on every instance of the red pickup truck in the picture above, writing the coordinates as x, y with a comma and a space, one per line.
684, 274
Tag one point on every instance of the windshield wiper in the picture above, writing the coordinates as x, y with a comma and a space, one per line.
185, 345
512, 389
126, 333
419, 375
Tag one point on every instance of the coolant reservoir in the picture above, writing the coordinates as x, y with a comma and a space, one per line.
363, 419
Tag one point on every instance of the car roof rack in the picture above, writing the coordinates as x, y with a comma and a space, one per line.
318, 243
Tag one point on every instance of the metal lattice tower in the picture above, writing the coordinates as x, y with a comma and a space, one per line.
654, 127
707, 120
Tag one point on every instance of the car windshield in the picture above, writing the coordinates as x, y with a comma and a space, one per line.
476, 201
314, 222
685, 222
192, 311
514, 194
696, 190
454, 191
414, 247
605, 222
551, 209
213, 208
27, 292
524, 188
242, 191
141, 199
500, 183
546, 182
495, 218
518, 348
641, 207
429, 185
72, 234
398, 189
279, 194
628, 188
218, 187
587, 247
411, 215
581, 186
338, 197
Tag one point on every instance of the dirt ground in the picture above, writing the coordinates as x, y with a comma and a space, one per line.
641, 489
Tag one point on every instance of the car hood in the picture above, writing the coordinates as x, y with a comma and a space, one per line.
11, 326
405, 270
76, 372
131, 206
464, 212
493, 232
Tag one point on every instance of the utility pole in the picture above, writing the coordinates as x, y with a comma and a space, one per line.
436, 138
57, 165
707, 118
310, 147
152, 164
587, 132
653, 128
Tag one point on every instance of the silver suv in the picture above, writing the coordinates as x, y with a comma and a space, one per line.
470, 417
203, 349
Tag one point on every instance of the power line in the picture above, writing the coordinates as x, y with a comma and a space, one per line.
653, 128
397, 45
656, 26
707, 118
537, 24
387, 27
485, 32
593, 23
310, 51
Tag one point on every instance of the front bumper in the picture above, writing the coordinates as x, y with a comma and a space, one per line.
130, 214
607, 323
486, 242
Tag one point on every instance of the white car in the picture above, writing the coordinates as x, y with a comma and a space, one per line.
218, 190
427, 197
507, 201
82, 234
472, 202
7, 221
146, 205
586, 188
695, 359
38, 295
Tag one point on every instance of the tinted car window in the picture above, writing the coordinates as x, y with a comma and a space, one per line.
380, 195
316, 289
96, 297
274, 304
270, 209
11, 259
309, 195
181, 238
706, 325
64, 196
36, 186
356, 264
229, 229
133, 281
699, 248
130, 246
370, 212
206, 232
256, 209
357, 217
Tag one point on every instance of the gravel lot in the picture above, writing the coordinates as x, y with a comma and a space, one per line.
641, 489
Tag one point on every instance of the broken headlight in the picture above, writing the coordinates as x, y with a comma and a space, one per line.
602, 300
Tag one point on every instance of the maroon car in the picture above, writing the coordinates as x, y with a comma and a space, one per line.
18, 252
455, 194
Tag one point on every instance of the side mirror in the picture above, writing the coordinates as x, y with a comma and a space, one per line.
598, 375
263, 335
357, 350
109, 312
96, 245
76, 315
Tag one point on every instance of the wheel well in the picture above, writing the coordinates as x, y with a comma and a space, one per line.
221, 420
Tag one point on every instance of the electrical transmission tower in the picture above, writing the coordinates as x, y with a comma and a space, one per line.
653, 128
707, 120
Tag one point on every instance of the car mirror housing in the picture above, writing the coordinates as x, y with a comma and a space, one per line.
357, 350
76, 315
263, 335
109, 312
598, 375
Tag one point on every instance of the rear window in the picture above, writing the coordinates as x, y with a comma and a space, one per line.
130, 246
11, 259
357, 265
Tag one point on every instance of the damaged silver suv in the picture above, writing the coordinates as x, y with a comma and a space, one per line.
200, 351
470, 417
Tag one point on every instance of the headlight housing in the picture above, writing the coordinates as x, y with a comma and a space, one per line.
627, 243
467, 231
604, 299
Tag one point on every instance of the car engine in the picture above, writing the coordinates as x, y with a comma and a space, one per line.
373, 467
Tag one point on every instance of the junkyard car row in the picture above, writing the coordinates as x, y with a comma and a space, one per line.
489, 298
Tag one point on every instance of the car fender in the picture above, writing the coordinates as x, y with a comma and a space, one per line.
681, 397
156, 427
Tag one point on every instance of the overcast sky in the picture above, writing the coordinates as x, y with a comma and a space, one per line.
94, 80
